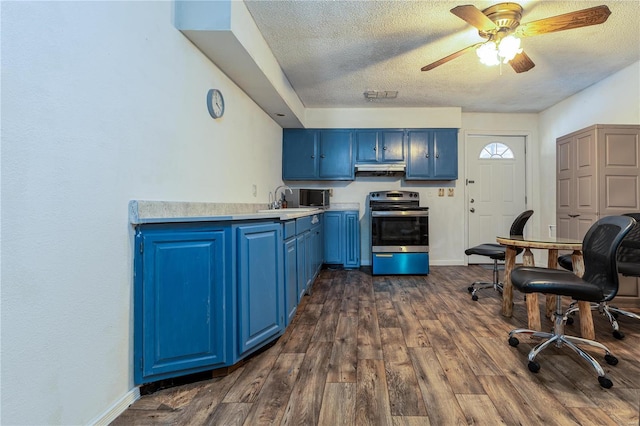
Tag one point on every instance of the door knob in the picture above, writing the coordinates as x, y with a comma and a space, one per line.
472, 200
472, 210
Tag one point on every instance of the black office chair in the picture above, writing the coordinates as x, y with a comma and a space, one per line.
628, 258
496, 252
599, 249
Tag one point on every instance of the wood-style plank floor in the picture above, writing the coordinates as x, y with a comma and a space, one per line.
407, 350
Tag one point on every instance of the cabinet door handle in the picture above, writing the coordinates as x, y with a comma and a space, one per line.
375, 149
321, 155
574, 215
427, 156
384, 148
313, 156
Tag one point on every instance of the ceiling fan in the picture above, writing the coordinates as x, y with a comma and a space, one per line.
500, 26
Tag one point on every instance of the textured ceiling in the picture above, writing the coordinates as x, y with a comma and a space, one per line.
334, 51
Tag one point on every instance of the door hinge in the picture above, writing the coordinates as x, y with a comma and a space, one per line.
141, 247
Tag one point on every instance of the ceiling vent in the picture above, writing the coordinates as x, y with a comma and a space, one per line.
375, 94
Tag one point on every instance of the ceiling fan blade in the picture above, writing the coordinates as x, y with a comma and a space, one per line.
580, 18
521, 63
474, 16
450, 57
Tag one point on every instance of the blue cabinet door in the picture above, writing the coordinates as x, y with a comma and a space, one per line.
180, 324
333, 237
420, 154
260, 283
366, 146
300, 154
336, 154
352, 239
290, 278
302, 264
318, 247
445, 147
433, 154
392, 146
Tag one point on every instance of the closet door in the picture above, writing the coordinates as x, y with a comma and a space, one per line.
619, 159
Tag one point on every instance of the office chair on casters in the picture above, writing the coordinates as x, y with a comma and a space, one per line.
496, 252
599, 249
628, 259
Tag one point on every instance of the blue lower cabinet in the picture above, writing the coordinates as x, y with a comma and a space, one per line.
342, 238
334, 237
260, 285
302, 242
290, 278
352, 239
180, 295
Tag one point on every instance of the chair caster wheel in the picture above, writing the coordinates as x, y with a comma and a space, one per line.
604, 382
569, 321
474, 297
469, 289
534, 367
611, 360
618, 335
513, 341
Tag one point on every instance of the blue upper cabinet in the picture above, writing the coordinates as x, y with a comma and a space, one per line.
433, 154
317, 154
331, 154
300, 154
180, 302
378, 145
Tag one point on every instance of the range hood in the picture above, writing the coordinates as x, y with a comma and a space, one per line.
380, 169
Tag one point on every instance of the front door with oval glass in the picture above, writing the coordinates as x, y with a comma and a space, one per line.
495, 187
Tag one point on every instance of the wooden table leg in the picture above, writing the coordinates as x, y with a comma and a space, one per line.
507, 290
586, 319
533, 308
552, 263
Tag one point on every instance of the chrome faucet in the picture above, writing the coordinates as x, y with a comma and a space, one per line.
276, 202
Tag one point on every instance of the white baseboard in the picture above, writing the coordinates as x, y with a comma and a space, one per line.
447, 262
118, 408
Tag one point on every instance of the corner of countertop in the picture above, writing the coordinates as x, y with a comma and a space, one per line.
144, 211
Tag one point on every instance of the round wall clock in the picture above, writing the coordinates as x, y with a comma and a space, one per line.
215, 103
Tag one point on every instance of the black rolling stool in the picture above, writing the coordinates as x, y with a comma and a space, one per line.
496, 252
599, 249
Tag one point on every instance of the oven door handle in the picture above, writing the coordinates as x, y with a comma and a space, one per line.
399, 213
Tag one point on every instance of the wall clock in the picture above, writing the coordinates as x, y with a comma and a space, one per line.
215, 103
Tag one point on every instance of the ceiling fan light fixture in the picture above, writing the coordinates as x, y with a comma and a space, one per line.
508, 48
488, 53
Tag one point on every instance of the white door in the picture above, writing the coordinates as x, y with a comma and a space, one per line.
495, 187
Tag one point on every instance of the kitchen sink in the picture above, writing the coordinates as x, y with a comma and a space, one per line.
292, 210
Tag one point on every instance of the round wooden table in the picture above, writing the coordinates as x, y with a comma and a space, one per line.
552, 245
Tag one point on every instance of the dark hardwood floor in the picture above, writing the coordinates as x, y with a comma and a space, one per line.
407, 350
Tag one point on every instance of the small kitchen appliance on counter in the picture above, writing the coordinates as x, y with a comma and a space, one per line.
308, 198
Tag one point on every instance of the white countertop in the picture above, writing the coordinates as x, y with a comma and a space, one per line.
143, 211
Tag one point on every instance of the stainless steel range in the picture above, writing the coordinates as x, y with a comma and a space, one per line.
399, 233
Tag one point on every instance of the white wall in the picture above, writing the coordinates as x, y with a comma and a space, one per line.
614, 100
102, 102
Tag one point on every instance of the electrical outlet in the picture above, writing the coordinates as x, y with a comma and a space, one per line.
440, 192
450, 192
